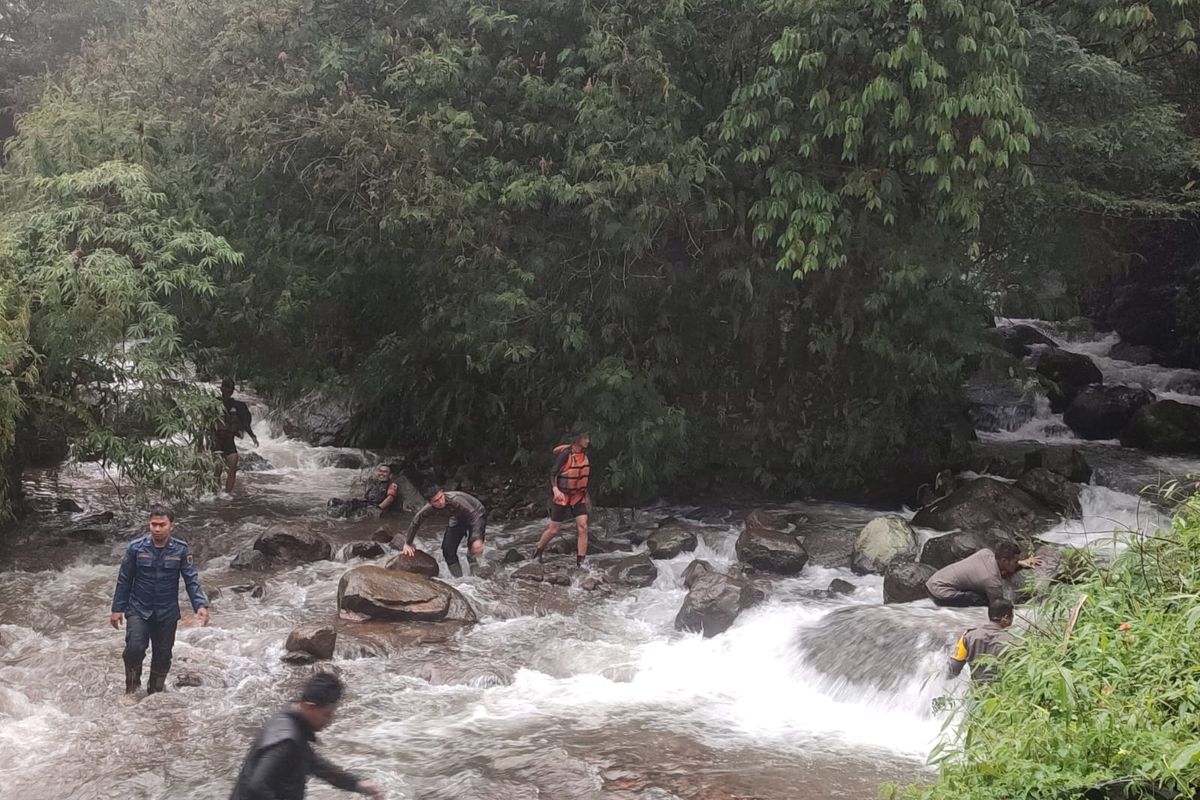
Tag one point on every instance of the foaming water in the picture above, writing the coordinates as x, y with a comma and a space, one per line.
1109, 521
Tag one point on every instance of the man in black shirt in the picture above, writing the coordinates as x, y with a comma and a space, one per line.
235, 424
281, 758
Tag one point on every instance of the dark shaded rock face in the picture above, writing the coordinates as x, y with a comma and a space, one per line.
1017, 340
714, 602
696, 570
1144, 315
420, 563
1066, 461
1135, 353
319, 420
383, 594
1164, 426
361, 550
253, 560
317, 640
987, 504
293, 547
1071, 371
1052, 489
904, 582
636, 571
839, 586
1102, 412
942, 551
670, 542
768, 549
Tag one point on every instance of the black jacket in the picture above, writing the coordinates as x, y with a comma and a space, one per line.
281, 759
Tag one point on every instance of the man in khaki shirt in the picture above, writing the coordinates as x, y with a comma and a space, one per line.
979, 578
987, 640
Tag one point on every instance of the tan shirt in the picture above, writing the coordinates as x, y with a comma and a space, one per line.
986, 640
975, 573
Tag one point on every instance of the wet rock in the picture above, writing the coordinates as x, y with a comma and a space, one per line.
255, 590
318, 419
67, 505
250, 461
839, 586
696, 570
92, 528
637, 571
1018, 340
769, 549
1164, 426
361, 550
949, 548
318, 640
250, 560
667, 543
187, 679
298, 659
555, 573
293, 547
1144, 313
1066, 461
714, 602
513, 556
1135, 353
1052, 489
904, 582
420, 563
568, 546
344, 461
1102, 412
984, 504
765, 522
1071, 371
381, 639
383, 594
382, 535
881, 541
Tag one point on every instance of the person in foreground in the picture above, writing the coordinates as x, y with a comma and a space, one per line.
569, 479
979, 578
147, 597
381, 493
282, 757
468, 519
988, 640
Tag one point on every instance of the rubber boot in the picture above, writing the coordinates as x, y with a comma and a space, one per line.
157, 682
455, 569
133, 679
579, 561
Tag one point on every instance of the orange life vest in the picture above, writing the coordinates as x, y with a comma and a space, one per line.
573, 478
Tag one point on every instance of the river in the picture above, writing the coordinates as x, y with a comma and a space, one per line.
558, 693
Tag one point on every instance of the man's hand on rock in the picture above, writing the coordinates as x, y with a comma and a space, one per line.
409, 551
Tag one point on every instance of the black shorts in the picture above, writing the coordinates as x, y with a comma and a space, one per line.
563, 513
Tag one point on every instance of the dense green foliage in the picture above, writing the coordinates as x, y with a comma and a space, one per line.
1112, 698
746, 240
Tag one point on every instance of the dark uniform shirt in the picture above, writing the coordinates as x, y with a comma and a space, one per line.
148, 582
987, 640
281, 759
464, 508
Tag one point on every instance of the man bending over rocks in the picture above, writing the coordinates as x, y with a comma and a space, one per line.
979, 578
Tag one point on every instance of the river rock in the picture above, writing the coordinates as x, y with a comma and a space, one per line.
1052, 489
986, 503
882, 540
1165, 426
255, 590
384, 594
555, 573
361, 550
669, 542
1143, 313
1139, 354
765, 547
513, 556
317, 640
250, 461
372, 639
637, 571
420, 563
949, 548
695, 571
318, 419
382, 535
344, 461
1066, 461
714, 602
1071, 371
839, 586
904, 581
92, 528
1018, 340
67, 505
293, 547
254, 560
1102, 412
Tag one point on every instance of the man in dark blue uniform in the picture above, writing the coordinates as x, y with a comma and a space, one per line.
147, 595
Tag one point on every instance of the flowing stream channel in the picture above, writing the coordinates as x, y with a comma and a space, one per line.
558, 693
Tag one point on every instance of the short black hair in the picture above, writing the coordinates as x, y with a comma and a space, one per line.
227, 383
999, 608
433, 492
162, 511
322, 689
1007, 550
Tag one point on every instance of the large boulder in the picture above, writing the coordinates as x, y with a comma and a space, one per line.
949, 548
319, 420
1135, 353
714, 602
1071, 371
670, 542
555, 573
317, 640
1144, 313
250, 461
384, 594
360, 550
1018, 340
765, 547
1164, 427
420, 563
882, 540
904, 582
695, 571
292, 547
1066, 461
1052, 489
1102, 412
984, 504
637, 571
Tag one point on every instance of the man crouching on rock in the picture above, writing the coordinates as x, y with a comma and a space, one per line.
147, 596
979, 578
468, 520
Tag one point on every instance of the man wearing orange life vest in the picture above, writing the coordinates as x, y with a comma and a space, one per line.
569, 483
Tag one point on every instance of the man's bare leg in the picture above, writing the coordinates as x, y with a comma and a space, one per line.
581, 539
550, 532
231, 466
